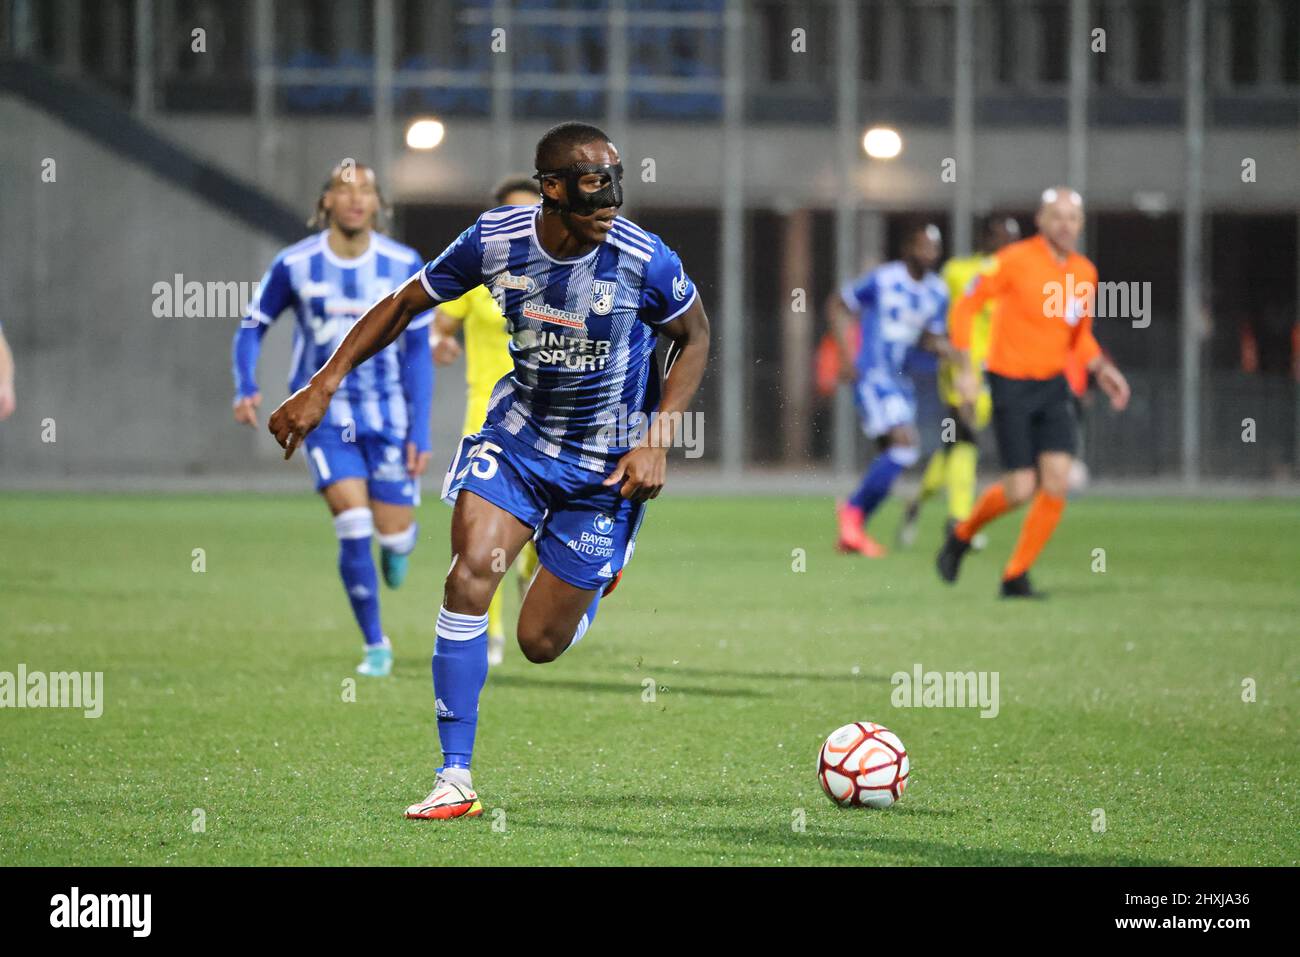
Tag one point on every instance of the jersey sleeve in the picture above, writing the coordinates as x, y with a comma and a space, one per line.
859, 294
417, 384
274, 295
938, 324
1084, 345
458, 269
983, 287
668, 291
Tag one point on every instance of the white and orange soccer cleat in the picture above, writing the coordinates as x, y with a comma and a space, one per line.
448, 799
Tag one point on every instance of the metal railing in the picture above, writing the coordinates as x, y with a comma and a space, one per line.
668, 55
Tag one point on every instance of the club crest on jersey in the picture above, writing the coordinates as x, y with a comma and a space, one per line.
602, 297
506, 281
541, 312
680, 285
603, 524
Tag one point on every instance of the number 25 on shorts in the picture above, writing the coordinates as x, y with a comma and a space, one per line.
481, 460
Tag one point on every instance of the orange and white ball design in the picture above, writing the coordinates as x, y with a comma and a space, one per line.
863, 765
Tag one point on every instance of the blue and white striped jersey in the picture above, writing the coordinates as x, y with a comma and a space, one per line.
328, 294
582, 329
895, 310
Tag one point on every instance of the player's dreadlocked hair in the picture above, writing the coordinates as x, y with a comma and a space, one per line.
517, 183
557, 143
320, 217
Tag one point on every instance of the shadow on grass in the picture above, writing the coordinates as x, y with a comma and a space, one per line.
843, 844
670, 669
846, 835
740, 802
616, 687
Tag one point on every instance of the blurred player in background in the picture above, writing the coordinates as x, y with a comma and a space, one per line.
1043, 293
953, 463
7, 400
896, 306
369, 453
487, 359
587, 294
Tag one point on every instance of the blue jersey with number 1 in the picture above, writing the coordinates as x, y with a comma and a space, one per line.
388, 395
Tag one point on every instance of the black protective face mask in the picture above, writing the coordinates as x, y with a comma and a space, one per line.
583, 203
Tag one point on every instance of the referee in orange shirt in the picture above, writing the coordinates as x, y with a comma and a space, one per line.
1044, 293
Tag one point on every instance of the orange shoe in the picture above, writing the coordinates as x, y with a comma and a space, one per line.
854, 539
851, 533
870, 547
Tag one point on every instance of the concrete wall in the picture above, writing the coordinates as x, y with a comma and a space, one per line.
129, 394
787, 166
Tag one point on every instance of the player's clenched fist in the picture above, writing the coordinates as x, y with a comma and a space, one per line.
298, 415
642, 473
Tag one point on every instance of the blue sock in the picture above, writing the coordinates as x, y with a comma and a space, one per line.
459, 669
884, 469
357, 569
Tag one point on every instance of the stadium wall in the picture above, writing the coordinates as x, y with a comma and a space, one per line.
107, 388
1011, 163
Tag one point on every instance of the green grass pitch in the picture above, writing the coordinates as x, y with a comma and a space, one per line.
224, 692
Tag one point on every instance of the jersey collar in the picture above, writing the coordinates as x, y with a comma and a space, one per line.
537, 241
338, 260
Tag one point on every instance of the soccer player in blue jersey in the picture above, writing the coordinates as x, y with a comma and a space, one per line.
586, 293
373, 443
897, 306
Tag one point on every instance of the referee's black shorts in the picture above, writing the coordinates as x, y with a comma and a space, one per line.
1031, 416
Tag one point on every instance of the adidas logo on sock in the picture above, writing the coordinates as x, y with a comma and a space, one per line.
442, 710
360, 592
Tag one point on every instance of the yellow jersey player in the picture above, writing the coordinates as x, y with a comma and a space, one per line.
478, 318
953, 463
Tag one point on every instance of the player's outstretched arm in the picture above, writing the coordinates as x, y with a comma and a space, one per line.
380, 326
942, 346
642, 470
274, 295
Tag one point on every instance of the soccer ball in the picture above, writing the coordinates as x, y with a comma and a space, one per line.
863, 765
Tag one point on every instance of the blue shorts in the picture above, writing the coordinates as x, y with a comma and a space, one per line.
884, 402
376, 458
585, 532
